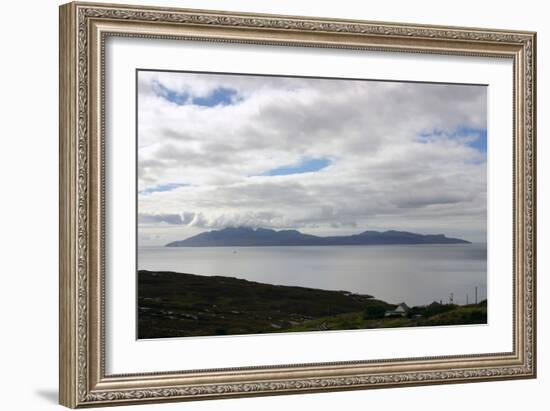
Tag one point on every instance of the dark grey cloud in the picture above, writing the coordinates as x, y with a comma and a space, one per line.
175, 219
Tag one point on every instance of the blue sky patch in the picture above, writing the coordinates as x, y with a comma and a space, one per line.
474, 137
221, 96
172, 96
162, 187
305, 166
480, 134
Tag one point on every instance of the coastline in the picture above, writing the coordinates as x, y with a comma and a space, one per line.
172, 304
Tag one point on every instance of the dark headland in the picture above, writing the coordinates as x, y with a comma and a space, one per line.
181, 305
250, 237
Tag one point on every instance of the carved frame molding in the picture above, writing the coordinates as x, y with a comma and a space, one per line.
83, 30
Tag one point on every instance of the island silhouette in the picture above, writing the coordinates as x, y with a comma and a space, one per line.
257, 237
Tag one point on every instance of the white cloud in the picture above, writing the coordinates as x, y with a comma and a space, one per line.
395, 159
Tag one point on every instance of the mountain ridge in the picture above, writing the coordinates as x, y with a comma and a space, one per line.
258, 237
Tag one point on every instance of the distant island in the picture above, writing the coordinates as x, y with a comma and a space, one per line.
257, 237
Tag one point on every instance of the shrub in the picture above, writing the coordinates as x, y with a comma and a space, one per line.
375, 311
436, 308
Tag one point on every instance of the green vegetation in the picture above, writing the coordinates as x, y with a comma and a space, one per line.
456, 315
374, 311
178, 305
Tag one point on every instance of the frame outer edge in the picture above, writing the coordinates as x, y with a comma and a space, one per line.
534, 202
78, 341
68, 327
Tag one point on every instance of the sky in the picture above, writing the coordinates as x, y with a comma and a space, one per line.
323, 156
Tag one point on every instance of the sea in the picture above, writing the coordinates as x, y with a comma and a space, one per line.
413, 274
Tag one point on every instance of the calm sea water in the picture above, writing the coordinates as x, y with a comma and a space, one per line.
415, 274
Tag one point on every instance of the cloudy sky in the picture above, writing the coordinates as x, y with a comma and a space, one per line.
324, 156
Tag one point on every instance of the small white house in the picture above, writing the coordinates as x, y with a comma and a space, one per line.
400, 311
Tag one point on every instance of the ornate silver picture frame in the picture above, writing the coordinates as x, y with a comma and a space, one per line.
85, 29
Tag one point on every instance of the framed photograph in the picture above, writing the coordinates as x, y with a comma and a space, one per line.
260, 204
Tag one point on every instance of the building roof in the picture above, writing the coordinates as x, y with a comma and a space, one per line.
402, 307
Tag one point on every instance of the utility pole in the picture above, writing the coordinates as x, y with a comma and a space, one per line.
451, 298
476, 294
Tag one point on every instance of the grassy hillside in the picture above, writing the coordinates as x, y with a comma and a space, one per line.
178, 305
